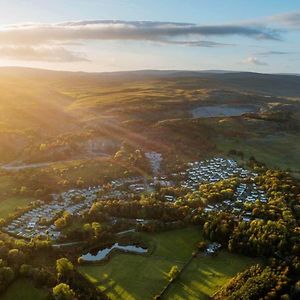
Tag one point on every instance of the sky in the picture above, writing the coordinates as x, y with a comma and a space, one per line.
117, 35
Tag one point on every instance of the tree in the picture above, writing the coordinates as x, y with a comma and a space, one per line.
15, 256
26, 270
63, 291
23, 190
96, 228
63, 221
296, 290
42, 277
64, 268
88, 230
43, 147
174, 272
202, 246
6, 277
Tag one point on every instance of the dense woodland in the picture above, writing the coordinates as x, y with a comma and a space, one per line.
275, 235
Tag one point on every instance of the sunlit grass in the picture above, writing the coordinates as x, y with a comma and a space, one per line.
275, 150
10, 204
206, 274
128, 276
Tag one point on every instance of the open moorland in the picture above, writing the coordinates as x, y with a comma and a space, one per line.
90, 115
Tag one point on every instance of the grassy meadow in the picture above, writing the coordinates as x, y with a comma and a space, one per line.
206, 274
135, 277
277, 150
130, 277
24, 290
10, 204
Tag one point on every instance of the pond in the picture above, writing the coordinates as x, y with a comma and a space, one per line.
103, 253
222, 111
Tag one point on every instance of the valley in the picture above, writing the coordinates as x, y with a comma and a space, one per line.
149, 185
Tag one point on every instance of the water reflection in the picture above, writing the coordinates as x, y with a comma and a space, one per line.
103, 253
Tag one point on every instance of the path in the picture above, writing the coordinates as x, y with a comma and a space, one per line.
18, 165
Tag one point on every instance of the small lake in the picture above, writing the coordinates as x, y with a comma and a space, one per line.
221, 111
103, 253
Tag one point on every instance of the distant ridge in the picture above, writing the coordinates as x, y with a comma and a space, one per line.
146, 72
287, 85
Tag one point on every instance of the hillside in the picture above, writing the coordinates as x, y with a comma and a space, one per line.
48, 115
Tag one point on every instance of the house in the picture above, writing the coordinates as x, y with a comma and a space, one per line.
213, 248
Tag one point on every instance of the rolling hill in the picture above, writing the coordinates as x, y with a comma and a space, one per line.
79, 114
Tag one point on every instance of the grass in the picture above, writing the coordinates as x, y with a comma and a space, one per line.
206, 274
128, 276
274, 150
7, 184
10, 204
134, 277
25, 290
76, 102
88, 170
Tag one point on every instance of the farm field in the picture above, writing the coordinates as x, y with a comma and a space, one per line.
205, 275
24, 289
10, 204
143, 277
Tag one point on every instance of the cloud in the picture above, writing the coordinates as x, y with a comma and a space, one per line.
276, 53
162, 32
255, 61
288, 19
49, 54
52, 41
267, 53
207, 44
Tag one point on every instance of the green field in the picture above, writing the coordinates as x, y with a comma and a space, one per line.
275, 150
205, 275
130, 277
24, 290
10, 204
